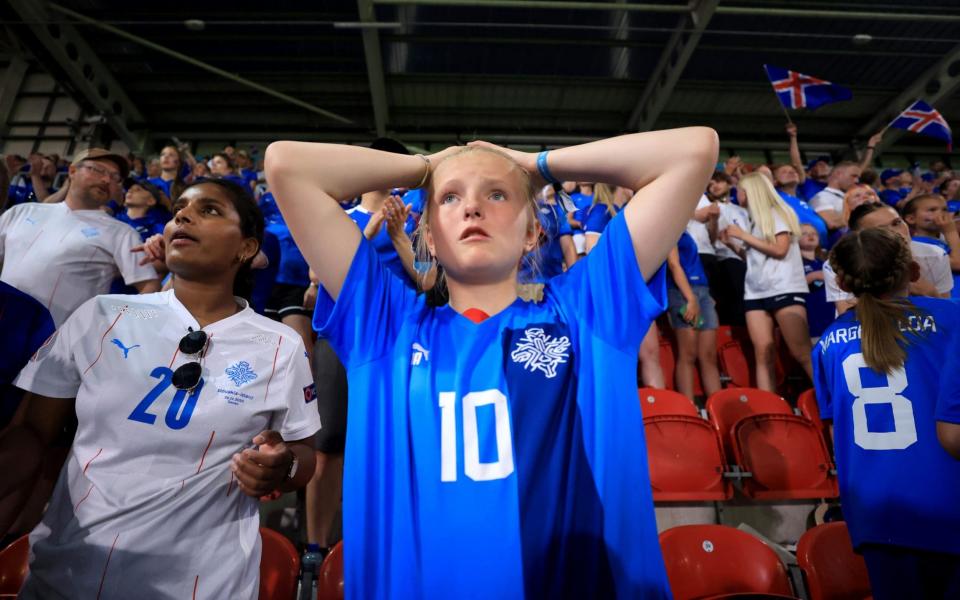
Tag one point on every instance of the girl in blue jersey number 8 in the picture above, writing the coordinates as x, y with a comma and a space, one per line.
500, 453
877, 371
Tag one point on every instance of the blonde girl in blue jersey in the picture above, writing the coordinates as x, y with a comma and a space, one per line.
878, 371
423, 518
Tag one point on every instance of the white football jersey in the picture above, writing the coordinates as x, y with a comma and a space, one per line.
146, 505
64, 257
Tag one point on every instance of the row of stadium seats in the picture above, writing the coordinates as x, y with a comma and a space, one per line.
747, 435
279, 569
715, 561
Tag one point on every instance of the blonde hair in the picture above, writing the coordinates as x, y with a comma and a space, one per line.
603, 194
422, 251
872, 264
764, 202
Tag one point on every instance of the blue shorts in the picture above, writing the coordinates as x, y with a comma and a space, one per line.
708, 308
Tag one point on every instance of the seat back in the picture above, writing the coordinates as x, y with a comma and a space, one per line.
786, 455
685, 458
279, 566
709, 560
807, 403
330, 582
733, 352
728, 406
654, 402
833, 570
14, 565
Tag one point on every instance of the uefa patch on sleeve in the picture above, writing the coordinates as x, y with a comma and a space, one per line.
310, 393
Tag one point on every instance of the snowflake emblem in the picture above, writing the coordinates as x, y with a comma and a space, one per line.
240, 373
539, 351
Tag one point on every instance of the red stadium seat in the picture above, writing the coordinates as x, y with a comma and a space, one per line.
685, 458
330, 583
728, 406
654, 402
734, 356
13, 566
787, 457
833, 570
807, 403
707, 561
279, 566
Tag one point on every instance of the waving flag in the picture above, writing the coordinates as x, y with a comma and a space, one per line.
924, 119
796, 90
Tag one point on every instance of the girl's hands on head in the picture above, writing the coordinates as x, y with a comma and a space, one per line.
526, 160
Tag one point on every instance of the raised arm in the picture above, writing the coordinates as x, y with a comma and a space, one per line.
308, 179
669, 169
795, 159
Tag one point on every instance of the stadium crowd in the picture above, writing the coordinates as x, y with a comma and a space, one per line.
754, 257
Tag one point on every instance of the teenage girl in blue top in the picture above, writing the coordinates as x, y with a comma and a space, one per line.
495, 445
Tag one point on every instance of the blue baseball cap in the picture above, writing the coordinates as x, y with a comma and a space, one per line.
888, 173
821, 158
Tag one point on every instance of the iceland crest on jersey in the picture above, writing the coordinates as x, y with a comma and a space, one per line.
537, 350
240, 373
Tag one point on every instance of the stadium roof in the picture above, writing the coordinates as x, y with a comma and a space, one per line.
523, 72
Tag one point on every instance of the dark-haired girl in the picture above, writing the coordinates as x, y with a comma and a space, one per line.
877, 371
189, 406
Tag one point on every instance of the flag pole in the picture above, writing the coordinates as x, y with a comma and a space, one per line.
782, 107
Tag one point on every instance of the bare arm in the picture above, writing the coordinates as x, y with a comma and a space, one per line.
832, 218
795, 159
22, 444
306, 180
869, 150
669, 169
683, 284
949, 435
776, 249
395, 214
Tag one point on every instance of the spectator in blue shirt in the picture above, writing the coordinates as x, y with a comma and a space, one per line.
890, 191
787, 178
222, 167
145, 208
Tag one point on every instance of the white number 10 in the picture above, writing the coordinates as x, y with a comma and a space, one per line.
904, 432
472, 466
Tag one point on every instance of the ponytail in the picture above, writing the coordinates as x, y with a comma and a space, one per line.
882, 340
874, 265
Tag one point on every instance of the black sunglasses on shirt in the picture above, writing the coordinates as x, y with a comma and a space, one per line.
187, 375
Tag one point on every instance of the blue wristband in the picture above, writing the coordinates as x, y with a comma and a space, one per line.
544, 169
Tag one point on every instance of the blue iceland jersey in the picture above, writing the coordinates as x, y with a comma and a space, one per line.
597, 218
690, 261
150, 224
501, 459
810, 188
383, 243
807, 216
292, 268
549, 258
582, 202
897, 483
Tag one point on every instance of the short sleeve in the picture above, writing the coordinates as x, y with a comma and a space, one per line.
821, 385
833, 291
363, 323
127, 261
53, 370
821, 202
563, 226
299, 418
606, 293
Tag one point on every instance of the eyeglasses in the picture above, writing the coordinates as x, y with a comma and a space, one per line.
187, 376
111, 175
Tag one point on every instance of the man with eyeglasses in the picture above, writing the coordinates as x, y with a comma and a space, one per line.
65, 253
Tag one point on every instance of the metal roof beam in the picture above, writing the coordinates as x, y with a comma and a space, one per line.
9, 87
199, 64
940, 81
673, 60
762, 11
375, 78
86, 73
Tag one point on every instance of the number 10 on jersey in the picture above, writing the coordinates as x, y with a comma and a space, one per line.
472, 467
